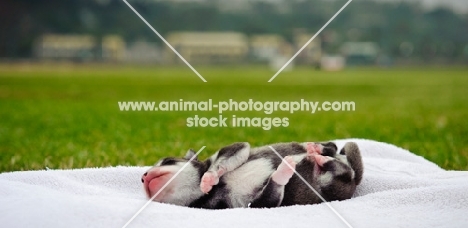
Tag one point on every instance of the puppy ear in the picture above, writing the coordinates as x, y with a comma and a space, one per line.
190, 153
351, 150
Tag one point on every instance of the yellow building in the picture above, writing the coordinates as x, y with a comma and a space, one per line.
208, 47
312, 53
113, 48
71, 47
79, 47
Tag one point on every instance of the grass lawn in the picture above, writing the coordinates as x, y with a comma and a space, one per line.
67, 116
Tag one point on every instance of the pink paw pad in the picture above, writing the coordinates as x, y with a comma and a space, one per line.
285, 171
314, 148
208, 180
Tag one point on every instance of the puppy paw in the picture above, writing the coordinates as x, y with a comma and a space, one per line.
285, 171
321, 160
313, 149
208, 180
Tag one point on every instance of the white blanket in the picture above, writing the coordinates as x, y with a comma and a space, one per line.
399, 189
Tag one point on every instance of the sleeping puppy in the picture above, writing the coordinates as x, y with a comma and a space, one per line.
240, 176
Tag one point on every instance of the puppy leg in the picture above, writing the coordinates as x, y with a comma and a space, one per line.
273, 192
285, 171
208, 180
225, 160
313, 149
353, 155
325, 149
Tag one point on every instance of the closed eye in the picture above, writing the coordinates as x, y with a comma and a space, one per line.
168, 161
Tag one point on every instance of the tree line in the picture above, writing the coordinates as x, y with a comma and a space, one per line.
399, 29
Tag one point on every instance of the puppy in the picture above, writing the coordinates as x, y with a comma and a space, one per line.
240, 176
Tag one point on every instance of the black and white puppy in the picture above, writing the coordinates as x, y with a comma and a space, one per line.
240, 176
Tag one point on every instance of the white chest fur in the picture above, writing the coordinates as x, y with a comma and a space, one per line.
247, 179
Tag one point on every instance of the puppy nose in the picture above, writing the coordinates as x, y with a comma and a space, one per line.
142, 179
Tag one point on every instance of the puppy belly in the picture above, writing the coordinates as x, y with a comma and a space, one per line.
247, 180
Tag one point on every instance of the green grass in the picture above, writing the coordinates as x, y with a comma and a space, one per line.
66, 116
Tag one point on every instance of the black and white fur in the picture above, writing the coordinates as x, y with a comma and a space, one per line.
240, 176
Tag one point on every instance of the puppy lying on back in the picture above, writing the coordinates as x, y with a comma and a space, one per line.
240, 176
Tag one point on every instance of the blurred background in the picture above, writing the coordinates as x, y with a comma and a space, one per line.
367, 32
65, 65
